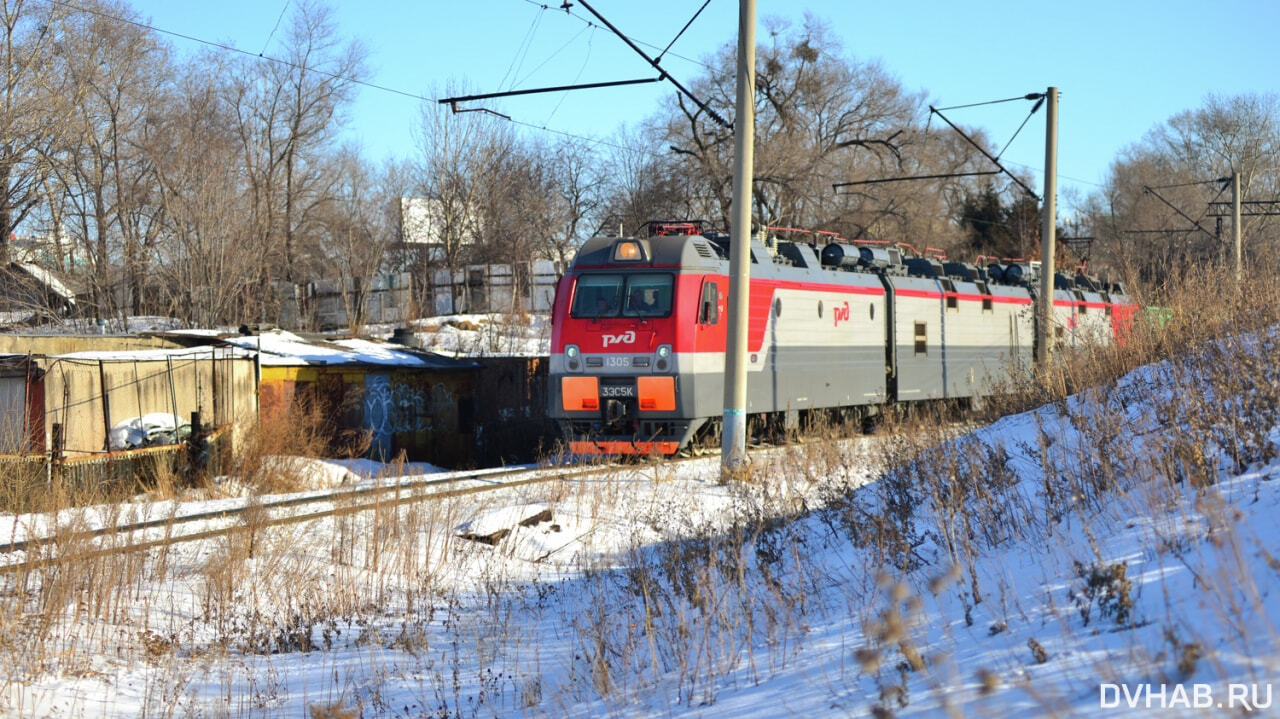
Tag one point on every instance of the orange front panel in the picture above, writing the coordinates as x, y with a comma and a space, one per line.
657, 393
579, 393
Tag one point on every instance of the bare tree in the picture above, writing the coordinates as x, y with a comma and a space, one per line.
820, 119
458, 155
286, 116
360, 226
1154, 211
208, 259
643, 183
577, 183
35, 102
100, 162
317, 81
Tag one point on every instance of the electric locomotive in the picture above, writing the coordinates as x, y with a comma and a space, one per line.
639, 332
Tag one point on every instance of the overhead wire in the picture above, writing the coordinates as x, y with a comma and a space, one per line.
568, 11
585, 61
417, 96
335, 76
522, 51
1040, 170
552, 56
686, 27
1189, 184
283, 9
1015, 132
1028, 96
236, 50
984, 152
1209, 204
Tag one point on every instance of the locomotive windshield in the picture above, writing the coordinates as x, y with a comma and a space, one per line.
638, 295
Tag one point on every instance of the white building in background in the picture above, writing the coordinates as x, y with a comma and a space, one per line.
473, 287
421, 220
56, 252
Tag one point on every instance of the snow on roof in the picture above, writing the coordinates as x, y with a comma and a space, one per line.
280, 348
53, 283
197, 332
186, 353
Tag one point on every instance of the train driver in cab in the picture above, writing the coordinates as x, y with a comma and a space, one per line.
639, 304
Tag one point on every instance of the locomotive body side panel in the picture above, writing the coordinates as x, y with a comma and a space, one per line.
982, 344
1093, 323
822, 340
1063, 325
919, 319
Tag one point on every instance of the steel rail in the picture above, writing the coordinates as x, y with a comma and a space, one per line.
48, 562
231, 513
331, 496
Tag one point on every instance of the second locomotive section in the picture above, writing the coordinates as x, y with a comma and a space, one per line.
639, 334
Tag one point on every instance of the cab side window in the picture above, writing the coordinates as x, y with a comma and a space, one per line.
709, 307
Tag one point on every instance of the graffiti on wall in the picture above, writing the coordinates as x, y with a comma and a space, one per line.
396, 407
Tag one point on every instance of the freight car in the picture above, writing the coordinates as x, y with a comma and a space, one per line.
639, 332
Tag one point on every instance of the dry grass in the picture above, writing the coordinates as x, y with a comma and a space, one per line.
690, 613
304, 427
701, 603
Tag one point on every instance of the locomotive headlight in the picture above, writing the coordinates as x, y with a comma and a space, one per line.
664, 357
571, 357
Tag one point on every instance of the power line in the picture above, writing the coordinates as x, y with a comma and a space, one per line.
1211, 199
1039, 97
1024, 124
1192, 183
453, 101
838, 185
374, 86
585, 61
1040, 170
522, 51
1152, 191
551, 57
654, 63
1028, 96
980, 148
234, 49
1169, 231
686, 27
568, 11
283, 9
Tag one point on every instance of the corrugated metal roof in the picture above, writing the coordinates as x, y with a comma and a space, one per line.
280, 348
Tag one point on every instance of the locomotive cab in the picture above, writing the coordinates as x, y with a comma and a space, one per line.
615, 376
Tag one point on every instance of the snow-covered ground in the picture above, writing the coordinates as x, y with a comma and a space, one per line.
479, 335
1042, 565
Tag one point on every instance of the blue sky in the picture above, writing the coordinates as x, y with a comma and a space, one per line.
1122, 66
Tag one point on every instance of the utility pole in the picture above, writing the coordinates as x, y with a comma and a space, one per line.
1235, 221
1044, 338
733, 439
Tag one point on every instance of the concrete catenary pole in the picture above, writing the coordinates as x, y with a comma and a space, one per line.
733, 456
1235, 221
1044, 333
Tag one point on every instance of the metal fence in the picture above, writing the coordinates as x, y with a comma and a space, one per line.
519, 287
186, 464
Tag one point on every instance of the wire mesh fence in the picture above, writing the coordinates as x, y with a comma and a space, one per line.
26, 476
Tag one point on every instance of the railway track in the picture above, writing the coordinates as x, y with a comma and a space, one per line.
42, 551
343, 501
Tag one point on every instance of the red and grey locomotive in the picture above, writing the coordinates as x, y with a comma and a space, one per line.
638, 332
